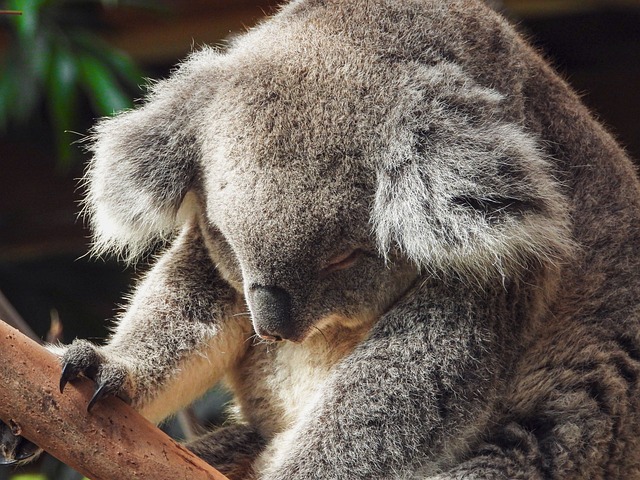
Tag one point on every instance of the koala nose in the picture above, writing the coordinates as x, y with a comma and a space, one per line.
271, 309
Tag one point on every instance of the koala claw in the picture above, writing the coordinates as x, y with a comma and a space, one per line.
83, 358
68, 373
101, 392
15, 449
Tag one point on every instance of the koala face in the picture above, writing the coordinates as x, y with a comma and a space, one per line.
332, 169
298, 265
289, 217
288, 185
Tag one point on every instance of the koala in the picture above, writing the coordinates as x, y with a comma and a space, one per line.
394, 233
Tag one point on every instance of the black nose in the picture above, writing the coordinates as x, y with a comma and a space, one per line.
271, 309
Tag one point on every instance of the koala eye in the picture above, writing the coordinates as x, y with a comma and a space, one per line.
342, 262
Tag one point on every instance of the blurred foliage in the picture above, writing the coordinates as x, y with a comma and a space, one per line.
54, 59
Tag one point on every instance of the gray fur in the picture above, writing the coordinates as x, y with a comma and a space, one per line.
405, 193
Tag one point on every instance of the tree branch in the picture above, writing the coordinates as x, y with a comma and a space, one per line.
113, 441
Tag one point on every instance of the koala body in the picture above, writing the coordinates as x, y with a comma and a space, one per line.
404, 244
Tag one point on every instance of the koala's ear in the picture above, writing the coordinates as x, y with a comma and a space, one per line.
145, 161
462, 191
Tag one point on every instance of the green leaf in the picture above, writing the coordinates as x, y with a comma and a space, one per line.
26, 63
62, 96
38, 54
31, 69
8, 93
50, 57
119, 62
27, 23
103, 89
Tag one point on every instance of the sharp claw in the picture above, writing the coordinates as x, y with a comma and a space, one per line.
24, 456
100, 392
26, 449
67, 374
8, 462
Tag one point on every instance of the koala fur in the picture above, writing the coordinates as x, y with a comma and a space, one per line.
405, 194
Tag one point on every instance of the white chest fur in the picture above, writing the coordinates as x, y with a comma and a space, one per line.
276, 384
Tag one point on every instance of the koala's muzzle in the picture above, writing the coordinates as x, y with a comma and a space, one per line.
271, 310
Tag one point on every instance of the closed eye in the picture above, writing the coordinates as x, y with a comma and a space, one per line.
342, 262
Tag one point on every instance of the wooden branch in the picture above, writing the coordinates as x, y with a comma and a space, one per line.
113, 441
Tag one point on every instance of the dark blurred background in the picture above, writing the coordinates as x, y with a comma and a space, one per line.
63, 63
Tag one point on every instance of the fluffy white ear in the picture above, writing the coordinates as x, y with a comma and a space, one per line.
145, 160
462, 190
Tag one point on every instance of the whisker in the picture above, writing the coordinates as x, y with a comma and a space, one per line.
257, 340
322, 333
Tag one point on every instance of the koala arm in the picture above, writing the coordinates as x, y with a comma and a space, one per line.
419, 387
176, 338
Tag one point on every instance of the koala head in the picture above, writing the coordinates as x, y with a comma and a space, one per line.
333, 164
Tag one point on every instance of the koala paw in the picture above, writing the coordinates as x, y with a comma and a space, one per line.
15, 449
84, 358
